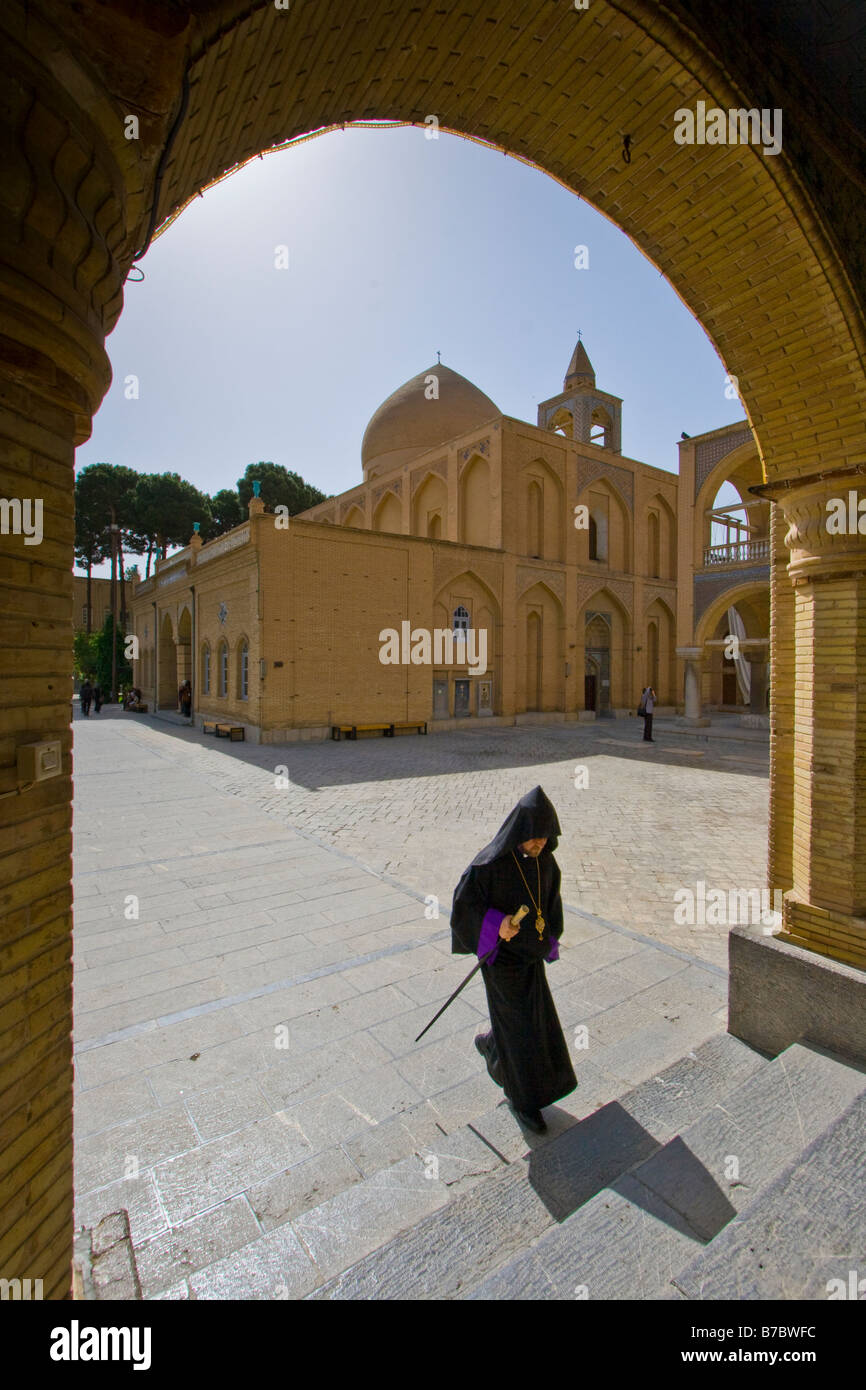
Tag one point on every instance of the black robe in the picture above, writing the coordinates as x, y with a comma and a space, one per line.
526, 1052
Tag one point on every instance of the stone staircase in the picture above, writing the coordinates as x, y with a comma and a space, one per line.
727, 1175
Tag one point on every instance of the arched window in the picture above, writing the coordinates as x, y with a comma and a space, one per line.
600, 429
205, 669
460, 622
244, 670
434, 526
223, 669
597, 535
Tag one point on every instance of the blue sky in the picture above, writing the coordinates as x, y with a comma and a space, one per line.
398, 246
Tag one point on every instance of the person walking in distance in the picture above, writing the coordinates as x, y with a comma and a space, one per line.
649, 704
85, 695
97, 698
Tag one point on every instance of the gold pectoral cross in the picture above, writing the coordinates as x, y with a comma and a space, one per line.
539, 924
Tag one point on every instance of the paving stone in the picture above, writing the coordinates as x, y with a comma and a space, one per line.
226, 1108
195, 1244
346, 1227
328, 1119
303, 1186
102, 1107
213, 1172
274, 1267
294, 1076
381, 1093
399, 1032
104, 1158
392, 1140
136, 1196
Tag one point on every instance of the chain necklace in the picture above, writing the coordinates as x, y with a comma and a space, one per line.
539, 920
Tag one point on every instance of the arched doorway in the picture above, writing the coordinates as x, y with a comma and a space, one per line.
167, 665
184, 647
597, 659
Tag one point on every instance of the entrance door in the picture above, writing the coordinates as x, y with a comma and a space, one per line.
729, 685
440, 699
589, 692
461, 698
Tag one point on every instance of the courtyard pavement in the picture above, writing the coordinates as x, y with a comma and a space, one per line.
257, 944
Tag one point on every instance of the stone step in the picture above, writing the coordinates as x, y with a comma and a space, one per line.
629, 1240
475, 1232
805, 1230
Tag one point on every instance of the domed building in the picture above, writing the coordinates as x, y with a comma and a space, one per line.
484, 568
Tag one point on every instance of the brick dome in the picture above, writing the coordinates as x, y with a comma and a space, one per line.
408, 423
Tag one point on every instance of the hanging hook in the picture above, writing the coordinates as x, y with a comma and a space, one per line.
626, 148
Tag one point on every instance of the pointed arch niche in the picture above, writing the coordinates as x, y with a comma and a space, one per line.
540, 651
355, 517
540, 508
474, 521
388, 516
661, 539
430, 507
614, 637
657, 663
465, 591
607, 542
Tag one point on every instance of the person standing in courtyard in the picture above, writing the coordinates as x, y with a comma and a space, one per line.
649, 704
525, 1050
85, 696
97, 698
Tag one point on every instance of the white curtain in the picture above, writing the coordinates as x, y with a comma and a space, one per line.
737, 628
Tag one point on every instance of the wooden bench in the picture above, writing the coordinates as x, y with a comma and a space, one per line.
352, 730
235, 732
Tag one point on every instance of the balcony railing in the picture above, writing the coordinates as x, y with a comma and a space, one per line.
736, 553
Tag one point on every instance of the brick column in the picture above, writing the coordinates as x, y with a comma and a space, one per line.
825, 909
60, 202
780, 872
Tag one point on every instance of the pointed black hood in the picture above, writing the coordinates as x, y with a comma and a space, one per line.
533, 818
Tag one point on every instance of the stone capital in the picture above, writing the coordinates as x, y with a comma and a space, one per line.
824, 518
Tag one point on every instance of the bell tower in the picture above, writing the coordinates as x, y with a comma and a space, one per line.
581, 412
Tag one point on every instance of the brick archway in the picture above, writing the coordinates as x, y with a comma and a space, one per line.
765, 251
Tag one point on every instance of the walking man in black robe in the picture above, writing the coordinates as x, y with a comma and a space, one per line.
525, 1051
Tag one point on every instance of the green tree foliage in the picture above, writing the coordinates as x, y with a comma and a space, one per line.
226, 512
165, 508
102, 645
280, 487
92, 536
84, 650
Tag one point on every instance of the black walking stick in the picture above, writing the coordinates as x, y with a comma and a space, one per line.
518, 918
